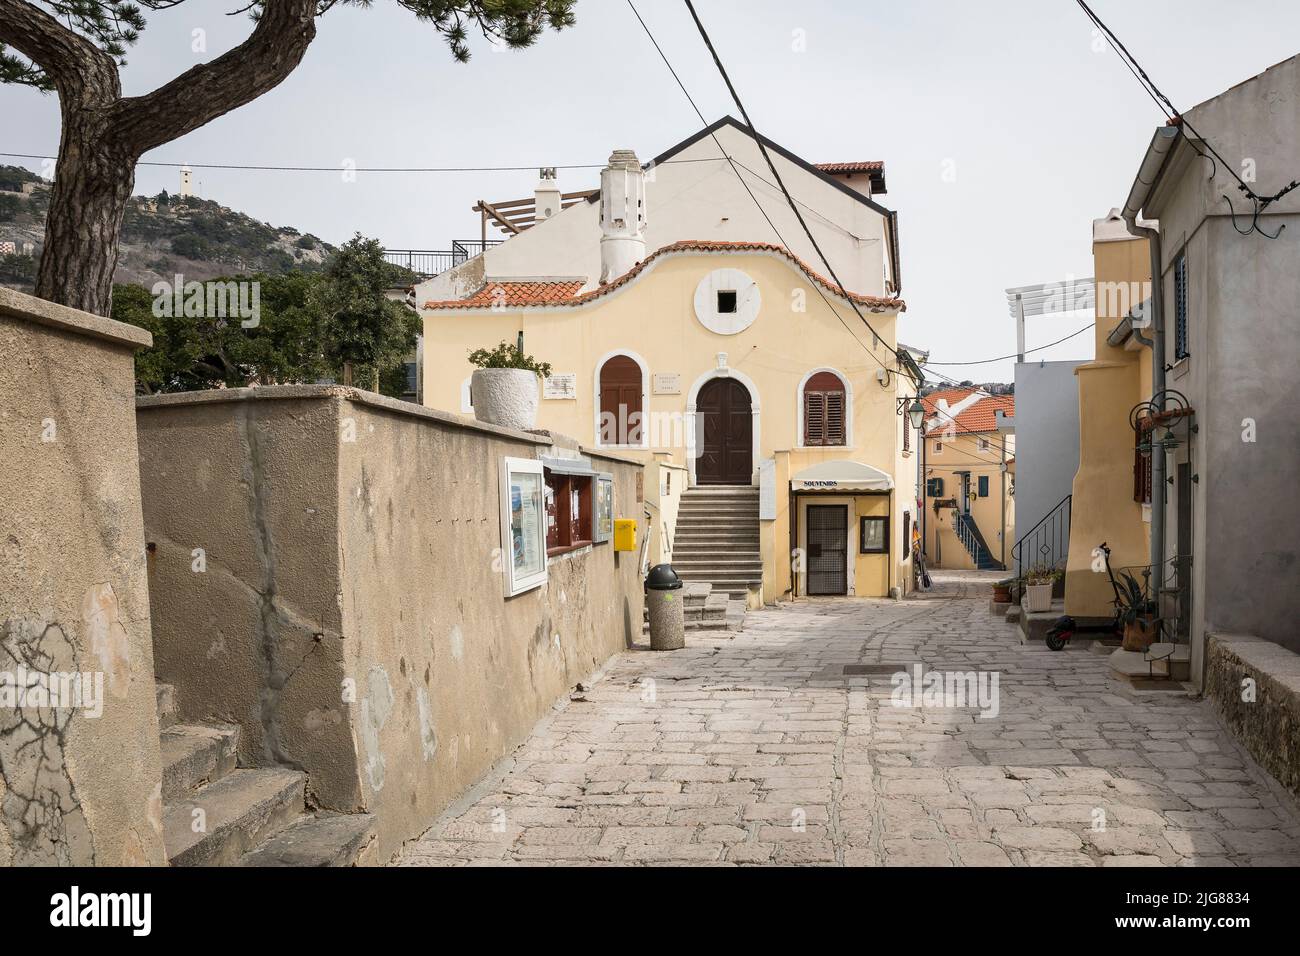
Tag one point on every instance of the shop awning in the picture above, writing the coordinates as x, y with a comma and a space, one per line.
841, 476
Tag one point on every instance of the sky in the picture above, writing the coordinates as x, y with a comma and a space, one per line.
1005, 126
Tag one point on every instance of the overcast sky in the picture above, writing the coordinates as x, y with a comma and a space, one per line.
1043, 131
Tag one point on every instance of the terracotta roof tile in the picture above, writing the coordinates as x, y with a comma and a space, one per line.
979, 417
512, 294
483, 298
864, 166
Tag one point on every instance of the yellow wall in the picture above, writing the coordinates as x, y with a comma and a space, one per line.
1103, 508
653, 318
961, 452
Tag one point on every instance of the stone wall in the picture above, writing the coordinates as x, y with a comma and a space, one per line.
76, 787
1263, 714
351, 617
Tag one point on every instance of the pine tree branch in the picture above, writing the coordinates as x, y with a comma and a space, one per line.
84, 75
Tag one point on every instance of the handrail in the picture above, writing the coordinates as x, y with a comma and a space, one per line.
1059, 534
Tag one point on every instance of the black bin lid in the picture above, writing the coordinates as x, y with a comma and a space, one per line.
662, 577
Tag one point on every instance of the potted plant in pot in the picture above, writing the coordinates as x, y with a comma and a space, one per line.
1137, 612
504, 386
1002, 591
1038, 589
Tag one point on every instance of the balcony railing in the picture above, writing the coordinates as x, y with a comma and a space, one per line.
427, 263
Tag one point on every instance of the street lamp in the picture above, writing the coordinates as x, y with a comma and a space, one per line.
916, 414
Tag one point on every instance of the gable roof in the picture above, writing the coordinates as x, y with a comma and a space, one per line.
558, 293
874, 168
891, 217
979, 416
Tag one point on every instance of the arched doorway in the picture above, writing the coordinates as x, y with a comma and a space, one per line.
727, 441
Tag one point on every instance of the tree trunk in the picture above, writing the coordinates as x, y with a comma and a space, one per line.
92, 185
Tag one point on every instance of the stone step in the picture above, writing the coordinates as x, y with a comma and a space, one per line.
326, 839
699, 490
240, 811
165, 701
193, 756
715, 538
721, 522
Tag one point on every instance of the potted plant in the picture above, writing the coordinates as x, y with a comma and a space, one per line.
1038, 589
1137, 613
1002, 591
504, 386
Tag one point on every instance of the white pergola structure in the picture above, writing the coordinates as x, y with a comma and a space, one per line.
1049, 298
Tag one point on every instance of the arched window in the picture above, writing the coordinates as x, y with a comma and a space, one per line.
824, 410
620, 401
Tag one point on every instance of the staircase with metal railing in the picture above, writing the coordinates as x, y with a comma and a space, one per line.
968, 533
1046, 544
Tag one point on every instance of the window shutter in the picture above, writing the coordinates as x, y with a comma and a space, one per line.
834, 418
814, 418
984, 486
907, 435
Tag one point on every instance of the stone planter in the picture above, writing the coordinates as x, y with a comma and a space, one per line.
1002, 593
505, 396
1038, 597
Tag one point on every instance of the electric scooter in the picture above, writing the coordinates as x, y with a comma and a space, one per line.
1066, 627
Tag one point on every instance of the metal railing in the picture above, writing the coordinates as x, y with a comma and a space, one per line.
427, 263
1046, 544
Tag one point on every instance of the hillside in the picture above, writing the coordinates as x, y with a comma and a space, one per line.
162, 236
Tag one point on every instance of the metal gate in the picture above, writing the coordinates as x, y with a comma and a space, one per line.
827, 537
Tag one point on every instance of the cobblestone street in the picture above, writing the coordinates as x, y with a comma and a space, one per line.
759, 750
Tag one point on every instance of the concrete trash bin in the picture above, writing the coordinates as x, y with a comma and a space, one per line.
667, 610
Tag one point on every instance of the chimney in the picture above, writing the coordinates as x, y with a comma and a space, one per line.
622, 215
547, 195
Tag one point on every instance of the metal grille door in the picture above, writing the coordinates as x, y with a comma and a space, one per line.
827, 537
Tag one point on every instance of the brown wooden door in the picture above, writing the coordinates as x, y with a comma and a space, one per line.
620, 402
727, 445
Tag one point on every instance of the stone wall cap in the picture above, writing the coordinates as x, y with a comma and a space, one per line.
19, 305
215, 396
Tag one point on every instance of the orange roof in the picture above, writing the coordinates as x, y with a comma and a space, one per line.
552, 294
864, 166
512, 294
980, 416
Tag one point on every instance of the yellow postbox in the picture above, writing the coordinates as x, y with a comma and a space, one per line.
624, 534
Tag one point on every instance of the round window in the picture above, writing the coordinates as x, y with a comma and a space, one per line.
727, 301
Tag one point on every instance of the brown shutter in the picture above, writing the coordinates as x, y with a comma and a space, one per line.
814, 418
835, 418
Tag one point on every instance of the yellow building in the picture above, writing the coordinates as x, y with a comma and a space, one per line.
750, 386
1112, 488
969, 472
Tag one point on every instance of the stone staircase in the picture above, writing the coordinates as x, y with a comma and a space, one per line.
716, 539
968, 533
705, 610
249, 817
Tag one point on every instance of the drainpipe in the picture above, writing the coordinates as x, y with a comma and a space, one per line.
1158, 152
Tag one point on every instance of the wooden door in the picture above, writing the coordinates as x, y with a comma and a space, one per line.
727, 445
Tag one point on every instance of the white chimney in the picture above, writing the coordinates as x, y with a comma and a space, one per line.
187, 188
622, 215
547, 194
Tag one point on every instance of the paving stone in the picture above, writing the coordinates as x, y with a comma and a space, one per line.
748, 736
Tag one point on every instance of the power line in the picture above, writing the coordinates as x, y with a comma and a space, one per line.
1259, 202
1003, 358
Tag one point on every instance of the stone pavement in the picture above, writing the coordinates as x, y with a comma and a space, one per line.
759, 750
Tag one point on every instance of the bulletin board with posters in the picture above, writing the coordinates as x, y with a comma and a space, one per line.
603, 526
523, 525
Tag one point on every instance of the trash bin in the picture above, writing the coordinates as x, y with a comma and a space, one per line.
667, 610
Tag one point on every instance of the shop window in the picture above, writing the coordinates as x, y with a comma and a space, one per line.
984, 486
568, 512
824, 410
620, 401
873, 535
